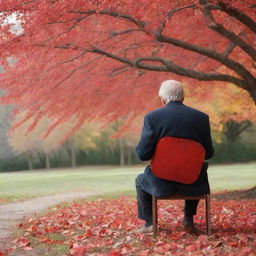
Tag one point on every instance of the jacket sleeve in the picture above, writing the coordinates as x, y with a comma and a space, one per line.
207, 140
147, 144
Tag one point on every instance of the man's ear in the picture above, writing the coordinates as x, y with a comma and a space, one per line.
162, 101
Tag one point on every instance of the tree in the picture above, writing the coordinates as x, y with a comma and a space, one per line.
236, 116
231, 110
31, 144
34, 146
127, 138
234, 129
96, 59
84, 139
5, 149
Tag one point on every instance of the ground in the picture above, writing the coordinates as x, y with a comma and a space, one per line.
105, 232
237, 195
103, 227
12, 213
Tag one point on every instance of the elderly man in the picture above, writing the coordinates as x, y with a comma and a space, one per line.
176, 120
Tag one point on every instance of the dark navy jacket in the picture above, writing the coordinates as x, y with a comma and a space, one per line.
176, 120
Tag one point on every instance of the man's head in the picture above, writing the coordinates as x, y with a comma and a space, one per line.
171, 90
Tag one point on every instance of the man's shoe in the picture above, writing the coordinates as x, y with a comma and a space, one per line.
189, 225
144, 229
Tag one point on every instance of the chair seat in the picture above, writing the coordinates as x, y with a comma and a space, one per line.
182, 197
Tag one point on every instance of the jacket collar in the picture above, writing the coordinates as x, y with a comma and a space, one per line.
174, 103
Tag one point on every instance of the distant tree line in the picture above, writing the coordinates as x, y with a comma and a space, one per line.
25, 148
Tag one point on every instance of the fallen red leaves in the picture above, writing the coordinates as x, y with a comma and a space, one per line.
103, 227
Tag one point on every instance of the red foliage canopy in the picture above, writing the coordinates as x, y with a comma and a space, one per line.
96, 59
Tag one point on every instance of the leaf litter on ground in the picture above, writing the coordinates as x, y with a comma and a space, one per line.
105, 227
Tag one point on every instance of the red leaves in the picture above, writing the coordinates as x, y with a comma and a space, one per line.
88, 233
191, 247
103, 228
23, 243
115, 253
78, 250
202, 240
60, 71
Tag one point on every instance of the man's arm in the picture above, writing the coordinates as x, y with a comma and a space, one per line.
207, 140
147, 144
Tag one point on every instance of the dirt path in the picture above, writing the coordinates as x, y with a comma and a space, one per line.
12, 213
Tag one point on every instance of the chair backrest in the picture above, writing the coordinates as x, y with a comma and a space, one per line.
178, 159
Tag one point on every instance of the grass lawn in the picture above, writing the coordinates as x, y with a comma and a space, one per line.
111, 181
108, 180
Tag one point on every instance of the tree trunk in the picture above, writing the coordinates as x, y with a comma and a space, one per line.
129, 155
121, 151
233, 129
73, 156
47, 161
30, 163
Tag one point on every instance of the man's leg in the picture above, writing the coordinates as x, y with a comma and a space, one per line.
190, 207
144, 201
189, 212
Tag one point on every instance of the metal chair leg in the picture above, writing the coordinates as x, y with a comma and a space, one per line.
208, 217
155, 217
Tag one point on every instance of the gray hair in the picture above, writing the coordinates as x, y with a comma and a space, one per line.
171, 90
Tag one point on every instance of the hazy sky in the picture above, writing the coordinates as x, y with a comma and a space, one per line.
15, 23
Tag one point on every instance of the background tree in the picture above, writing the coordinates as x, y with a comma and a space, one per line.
229, 107
233, 129
84, 139
90, 138
29, 141
5, 124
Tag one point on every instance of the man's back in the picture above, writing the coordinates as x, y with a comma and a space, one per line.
176, 120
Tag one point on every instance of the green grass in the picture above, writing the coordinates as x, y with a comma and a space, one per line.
108, 180
232, 176
111, 181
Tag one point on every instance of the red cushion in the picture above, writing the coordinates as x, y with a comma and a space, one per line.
178, 160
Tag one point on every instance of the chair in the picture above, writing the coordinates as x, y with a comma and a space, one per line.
179, 160
206, 197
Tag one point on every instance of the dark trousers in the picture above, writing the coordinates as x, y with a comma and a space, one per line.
144, 201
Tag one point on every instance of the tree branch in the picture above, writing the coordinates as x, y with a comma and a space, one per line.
229, 49
74, 70
129, 18
247, 80
14, 8
168, 66
65, 32
123, 32
244, 125
203, 58
74, 58
113, 56
170, 14
202, 76
241, 16
220, 29
119, 70
237, 67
